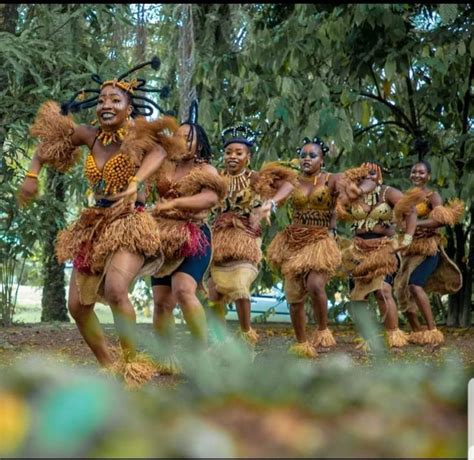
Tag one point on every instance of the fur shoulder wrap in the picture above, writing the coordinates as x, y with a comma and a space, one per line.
449, 214
144, 135
55, 132
270, 177
407, 202
200, 178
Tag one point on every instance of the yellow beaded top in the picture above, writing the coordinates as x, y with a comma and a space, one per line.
113, 178
320, 197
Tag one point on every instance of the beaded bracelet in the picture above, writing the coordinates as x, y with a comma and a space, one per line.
140, 183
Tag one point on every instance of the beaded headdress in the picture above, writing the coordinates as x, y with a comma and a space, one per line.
141, 104
241, 134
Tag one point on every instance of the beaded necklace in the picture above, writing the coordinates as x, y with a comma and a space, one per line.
107, 137
239, 181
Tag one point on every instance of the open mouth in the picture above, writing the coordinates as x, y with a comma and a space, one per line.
107, 115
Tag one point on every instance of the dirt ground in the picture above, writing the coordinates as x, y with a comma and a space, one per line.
63, 342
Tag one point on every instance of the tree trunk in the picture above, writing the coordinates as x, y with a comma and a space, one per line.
53, 303
187, 92
458, 300
140, 34
466, 307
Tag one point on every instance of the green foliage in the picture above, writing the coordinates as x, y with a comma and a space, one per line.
372, 79
53, 410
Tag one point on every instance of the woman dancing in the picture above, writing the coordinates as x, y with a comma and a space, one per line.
251, 195
189, 187
371, 258
425, 266
110, 242
306, 252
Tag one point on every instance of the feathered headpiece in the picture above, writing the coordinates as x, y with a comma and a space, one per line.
142, 105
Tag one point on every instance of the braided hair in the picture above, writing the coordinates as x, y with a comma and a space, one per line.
203, 146
141, 105
316, 141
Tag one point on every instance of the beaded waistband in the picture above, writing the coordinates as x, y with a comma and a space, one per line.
320, 218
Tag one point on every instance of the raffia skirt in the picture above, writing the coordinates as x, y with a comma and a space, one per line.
99, 233
299, 250
368, 262
236, 257
445, 279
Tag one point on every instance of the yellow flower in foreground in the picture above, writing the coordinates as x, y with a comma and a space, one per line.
14, 420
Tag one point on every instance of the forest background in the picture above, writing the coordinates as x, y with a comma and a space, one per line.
387, 82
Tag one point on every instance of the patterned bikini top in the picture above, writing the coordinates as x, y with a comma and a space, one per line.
114, 176
241, 198
316, 208
320, 197
379, 212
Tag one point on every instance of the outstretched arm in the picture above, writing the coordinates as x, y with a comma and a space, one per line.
80, 135
283, 192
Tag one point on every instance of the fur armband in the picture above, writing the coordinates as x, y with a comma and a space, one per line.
406, 203
144, 135
200, 178
347, 184
449, 214
55, 132
270, 177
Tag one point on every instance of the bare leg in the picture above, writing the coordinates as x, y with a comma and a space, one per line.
217, 306
298, 319
163, 319
388, 308
122, 270
412, 318
243, 312
423, 304
88, 324
316, 285
184, 290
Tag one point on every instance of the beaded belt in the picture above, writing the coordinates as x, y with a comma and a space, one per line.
319, 218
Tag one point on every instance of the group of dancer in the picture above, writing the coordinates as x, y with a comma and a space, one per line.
396, 241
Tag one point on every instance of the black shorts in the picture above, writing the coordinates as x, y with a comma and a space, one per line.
194, 266
420, 275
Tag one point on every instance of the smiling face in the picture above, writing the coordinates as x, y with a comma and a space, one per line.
419, 175
236, 158
113, 108
311, 159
